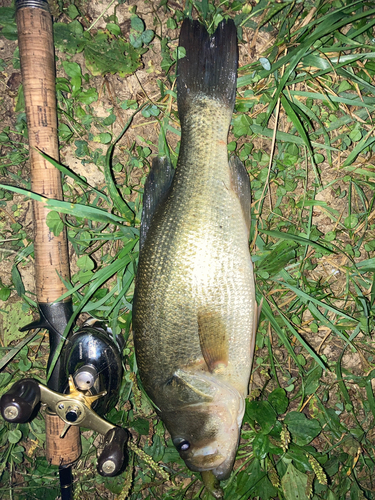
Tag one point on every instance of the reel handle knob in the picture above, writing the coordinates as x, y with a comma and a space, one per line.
114, 456
18, 404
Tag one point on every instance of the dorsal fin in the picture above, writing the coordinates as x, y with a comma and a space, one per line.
156, 189
240, 183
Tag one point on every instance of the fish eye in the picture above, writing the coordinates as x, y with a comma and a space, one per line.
181, 444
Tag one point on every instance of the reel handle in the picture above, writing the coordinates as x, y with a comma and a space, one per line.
18, 404
71, 410
114, 457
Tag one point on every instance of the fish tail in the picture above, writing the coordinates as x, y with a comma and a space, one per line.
209, 68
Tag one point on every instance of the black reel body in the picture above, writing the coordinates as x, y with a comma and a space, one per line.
91, 360
92, 357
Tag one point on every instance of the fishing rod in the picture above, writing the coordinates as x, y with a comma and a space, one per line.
86, 377
37, 56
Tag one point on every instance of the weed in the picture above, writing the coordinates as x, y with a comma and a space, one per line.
303, 126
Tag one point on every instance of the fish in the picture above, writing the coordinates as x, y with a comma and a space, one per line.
195, 310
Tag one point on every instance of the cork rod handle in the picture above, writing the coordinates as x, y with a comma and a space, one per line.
35, 38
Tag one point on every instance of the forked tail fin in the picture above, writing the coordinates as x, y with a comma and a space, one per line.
210, 65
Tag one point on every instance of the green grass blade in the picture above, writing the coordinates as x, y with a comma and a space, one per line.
302, 341
306, 298
85, 211
267, 311
116, 197
325, 321
15, 350
368, 103
364, 143
78, 179
285, 137
369, 392
298, 239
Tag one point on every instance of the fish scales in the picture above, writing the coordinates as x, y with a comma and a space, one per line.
195, 310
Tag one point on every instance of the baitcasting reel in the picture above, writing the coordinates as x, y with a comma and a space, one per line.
91, 361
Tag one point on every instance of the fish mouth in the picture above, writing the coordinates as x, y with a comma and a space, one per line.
205, 459
218, 457
223, 471
212, 460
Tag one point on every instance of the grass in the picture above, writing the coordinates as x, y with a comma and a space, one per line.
303, 126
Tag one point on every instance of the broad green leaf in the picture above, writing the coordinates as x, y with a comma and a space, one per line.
7, 15
13, 317
261, 446
104, 55
140, 425
10, 31
85, 263
5, 293
294, 484
69, 37
299, 456
171, 24
302, 429
14, 436
88, 96
72, 69
278, 400
4, 137
17, 281
137, 24
114, 29
171, 455
103, 138
312, 381
251, 483
72, 11
54, 222
156, 450
64, 132
241, 125
263, 413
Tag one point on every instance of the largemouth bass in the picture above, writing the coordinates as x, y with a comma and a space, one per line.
195, 308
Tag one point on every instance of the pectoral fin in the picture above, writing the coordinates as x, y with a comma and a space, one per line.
213, 340
157, 186
241, 186
190, 388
